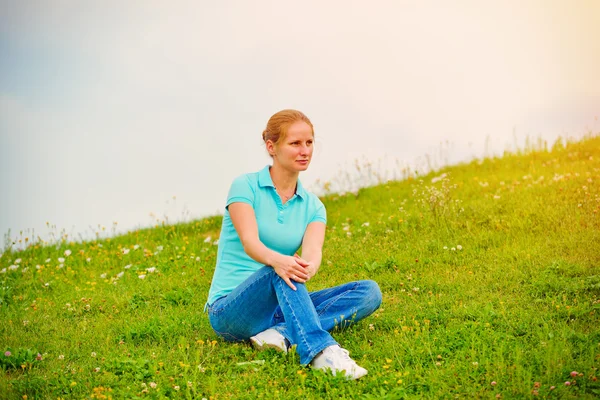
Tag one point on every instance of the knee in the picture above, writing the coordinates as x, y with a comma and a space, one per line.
372, 295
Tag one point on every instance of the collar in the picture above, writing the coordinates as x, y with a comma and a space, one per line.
264, 180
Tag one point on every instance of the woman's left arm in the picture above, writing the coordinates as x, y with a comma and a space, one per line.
312, 246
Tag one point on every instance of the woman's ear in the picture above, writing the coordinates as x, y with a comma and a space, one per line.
270, 147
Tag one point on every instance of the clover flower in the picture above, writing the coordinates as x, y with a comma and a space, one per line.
7, 354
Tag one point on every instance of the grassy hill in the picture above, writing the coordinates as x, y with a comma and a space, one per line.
490, 273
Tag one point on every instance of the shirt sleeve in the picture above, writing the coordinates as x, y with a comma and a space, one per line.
320, 214
240, 191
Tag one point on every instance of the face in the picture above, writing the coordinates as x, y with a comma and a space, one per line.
294, 152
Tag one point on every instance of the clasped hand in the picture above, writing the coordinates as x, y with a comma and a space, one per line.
294, 268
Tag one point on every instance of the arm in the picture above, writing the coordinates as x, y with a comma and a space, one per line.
312, 246
287, 267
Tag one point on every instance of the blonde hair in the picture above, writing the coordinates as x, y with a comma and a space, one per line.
280, 122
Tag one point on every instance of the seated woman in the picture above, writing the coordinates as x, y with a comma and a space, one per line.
258, 291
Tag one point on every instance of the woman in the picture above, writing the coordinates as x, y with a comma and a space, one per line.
258, 291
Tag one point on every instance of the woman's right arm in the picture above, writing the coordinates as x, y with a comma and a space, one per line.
287, 267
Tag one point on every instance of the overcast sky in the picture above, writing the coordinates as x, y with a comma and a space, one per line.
110, 109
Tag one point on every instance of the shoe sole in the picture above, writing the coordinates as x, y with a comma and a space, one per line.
260, 345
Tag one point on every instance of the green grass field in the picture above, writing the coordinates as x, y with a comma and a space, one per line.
491, 289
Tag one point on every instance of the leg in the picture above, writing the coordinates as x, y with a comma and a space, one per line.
340, 306
343, 305
250, 309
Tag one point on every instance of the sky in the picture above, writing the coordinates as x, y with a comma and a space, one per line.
134, 111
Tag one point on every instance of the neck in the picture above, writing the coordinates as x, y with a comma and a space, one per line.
283, 180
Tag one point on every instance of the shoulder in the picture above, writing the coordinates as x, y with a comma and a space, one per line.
313, 202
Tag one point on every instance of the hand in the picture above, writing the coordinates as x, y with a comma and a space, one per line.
311, 269
291, 268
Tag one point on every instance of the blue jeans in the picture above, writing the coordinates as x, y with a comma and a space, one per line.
265, 301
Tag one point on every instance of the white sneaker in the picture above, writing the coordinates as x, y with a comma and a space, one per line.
337, 360
269, 339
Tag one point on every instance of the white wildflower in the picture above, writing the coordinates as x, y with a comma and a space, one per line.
125, 251
13, 267
445, 247
67, 253
151, 270
142, 276
159, 248
197, 258
18, 261
48, 260
127, 266
61, 357
24, 270
496, 197
61, 260
93, 354
120, 274
38, 266
207, 240
153, 385
103, 276
365, 224
458, 247
137, 246
88, 259
439, 178
453, 249
47, 284
3, 271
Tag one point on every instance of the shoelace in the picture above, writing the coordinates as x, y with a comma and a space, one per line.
345, 354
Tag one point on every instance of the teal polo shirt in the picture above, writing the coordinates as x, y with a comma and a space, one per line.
281, 227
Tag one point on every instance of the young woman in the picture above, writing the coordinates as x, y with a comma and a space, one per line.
258, 292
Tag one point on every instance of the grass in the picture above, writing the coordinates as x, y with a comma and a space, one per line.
490, 276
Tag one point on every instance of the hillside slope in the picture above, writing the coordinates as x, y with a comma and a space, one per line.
490, 273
